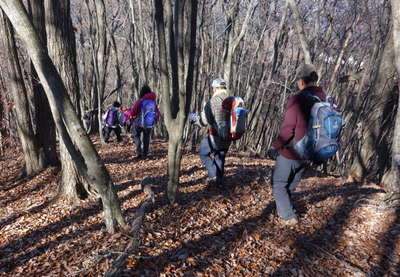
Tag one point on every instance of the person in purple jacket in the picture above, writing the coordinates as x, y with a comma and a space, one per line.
289, 166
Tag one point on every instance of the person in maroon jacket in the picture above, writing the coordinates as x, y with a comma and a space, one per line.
136, 114
289, 166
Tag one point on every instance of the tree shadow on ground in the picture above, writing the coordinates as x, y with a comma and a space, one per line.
219, 245
388, 243
12, 248
189, 198
26, 192
10, 219
310, 247
31, 239
13, 261
50, 175
15, 182
123, 186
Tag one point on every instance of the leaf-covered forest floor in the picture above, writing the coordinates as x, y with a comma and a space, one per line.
234, 232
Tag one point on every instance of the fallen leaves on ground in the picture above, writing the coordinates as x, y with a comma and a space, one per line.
210, 232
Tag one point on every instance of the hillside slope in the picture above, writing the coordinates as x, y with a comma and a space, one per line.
234, 232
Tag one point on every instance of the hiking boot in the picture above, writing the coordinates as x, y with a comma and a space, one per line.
291, 222
211, 182
220, 183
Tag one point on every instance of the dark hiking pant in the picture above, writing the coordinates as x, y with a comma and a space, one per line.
213, 158
285, 177
108, 130
137, 136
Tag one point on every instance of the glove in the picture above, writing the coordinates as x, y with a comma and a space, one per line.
272, 153
193, 117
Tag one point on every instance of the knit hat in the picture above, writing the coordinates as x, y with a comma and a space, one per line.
218, 83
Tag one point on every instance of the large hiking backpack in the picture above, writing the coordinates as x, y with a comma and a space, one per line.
148, 114
321, 141
112, 119
233, 125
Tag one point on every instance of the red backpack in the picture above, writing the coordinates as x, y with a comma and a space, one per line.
235, 117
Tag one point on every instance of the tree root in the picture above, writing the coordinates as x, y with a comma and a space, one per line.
390, 201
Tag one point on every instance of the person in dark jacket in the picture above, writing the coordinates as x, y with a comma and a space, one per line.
135, 114
111, 122
213, 149
289, 166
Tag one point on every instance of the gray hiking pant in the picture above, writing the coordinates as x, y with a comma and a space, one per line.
285, 177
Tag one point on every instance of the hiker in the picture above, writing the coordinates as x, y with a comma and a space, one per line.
125, 120
213, 148
111, 122
289, 166
144, 115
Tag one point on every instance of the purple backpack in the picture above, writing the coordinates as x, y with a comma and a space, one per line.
148, 113
112, 117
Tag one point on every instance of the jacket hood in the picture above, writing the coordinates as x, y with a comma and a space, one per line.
150, 96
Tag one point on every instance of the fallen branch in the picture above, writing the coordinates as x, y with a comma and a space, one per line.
120, 263
311, 246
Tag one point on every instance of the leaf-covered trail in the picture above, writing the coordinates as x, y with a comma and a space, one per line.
210, 233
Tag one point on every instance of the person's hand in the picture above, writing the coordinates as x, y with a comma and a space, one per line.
272, 153
193, 117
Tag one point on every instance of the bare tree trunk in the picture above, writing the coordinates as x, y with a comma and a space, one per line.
233, 39
300, 31
34, 156
394, 181
176, 97
339, 60
100, 59
68, 125
369, 154
45, 128
62, 50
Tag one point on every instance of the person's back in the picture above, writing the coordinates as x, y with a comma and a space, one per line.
112, 123
213, 115
213, 148
144, 114
295, 124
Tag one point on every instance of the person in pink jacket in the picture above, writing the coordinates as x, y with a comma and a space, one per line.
144, 115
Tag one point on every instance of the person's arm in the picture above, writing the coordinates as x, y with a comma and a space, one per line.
202, 119
135, 111
288, 126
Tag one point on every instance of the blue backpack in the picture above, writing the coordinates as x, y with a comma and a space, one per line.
112, 119
148, 115
321, 141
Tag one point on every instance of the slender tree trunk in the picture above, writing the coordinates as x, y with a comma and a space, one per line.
339, 60
177, 92
100, 59
34, 156
300, 31
62, 50
68, 125
45, 128
233, 38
